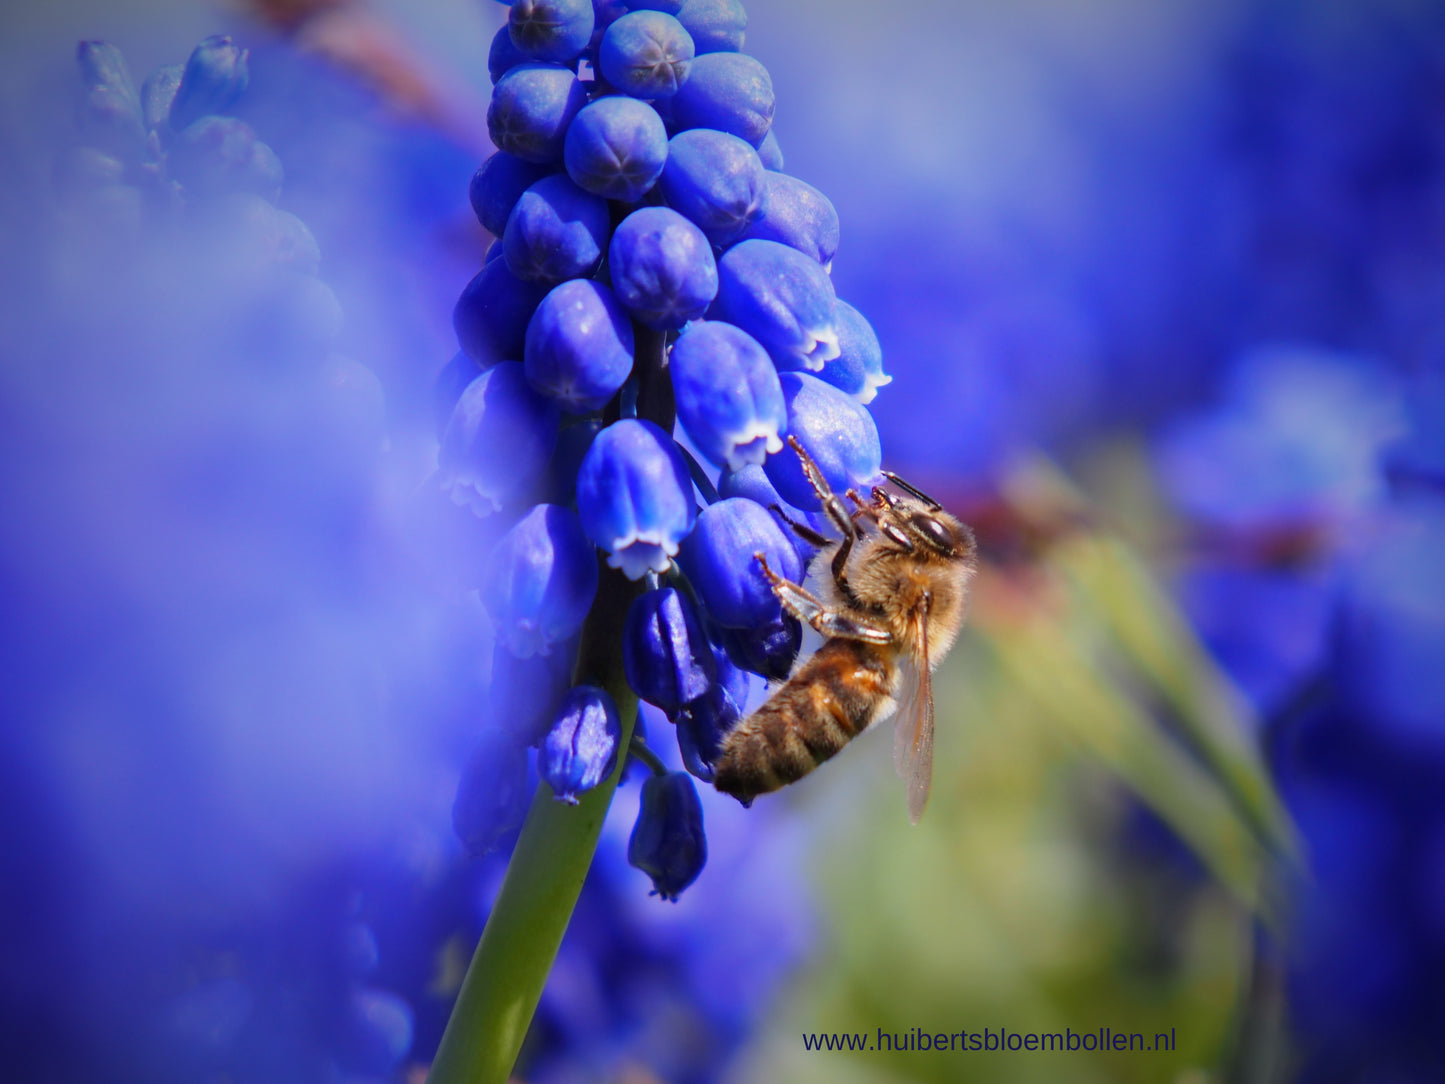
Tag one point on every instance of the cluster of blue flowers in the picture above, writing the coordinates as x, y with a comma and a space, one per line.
653, 268
1315, 489
184, 433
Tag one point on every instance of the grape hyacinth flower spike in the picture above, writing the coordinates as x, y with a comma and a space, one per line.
629, 361
211, 322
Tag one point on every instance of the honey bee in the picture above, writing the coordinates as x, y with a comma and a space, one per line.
889, 608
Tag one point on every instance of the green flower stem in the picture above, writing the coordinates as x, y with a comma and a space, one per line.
520, 941
646, 756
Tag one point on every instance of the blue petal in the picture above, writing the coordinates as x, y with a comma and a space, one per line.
555, 30
580, 750
616, 148
556, 231
835, 430
635, 496
780, 297
496, 447
541, 578
530, 110
668, 842
646, 54
662, 268
730, 92
719, 558
665, 652
579, 346
713, 179
858, 368
727, 394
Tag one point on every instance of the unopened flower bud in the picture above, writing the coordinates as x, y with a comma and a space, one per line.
580, 750
668, 843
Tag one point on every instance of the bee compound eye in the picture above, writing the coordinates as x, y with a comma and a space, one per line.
935, 532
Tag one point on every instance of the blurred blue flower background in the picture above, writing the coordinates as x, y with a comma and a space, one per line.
1193, 254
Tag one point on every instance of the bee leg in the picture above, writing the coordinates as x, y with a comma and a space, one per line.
837, 512
802, 605
864, 510
832, 624
802, 530
835, 508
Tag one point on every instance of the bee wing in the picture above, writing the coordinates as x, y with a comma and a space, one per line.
913, 725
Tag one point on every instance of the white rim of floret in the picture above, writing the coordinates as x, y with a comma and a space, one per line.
752, 445
820, 347
468, 493
640, 553
871, 383
526, 638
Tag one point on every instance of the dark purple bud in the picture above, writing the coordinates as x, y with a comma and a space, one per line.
716, 26
222, 154
497, 186
530, 110
493, 793
752, 482
556, 30
769, 649
503, 56
719, 557
796, 214
703, 723
714, 180
110, 112
646, 54
491, 316
216, 75
158, 92
556, 231
579, 346
729, 92
665, 652
526, 693
580, 750
541, 577
616, 147
835, 430
668, 843
497, 444
662, 268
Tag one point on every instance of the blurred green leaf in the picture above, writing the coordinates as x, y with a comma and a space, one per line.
1156, 639
1051, 664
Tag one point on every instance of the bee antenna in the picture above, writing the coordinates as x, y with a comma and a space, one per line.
933, 506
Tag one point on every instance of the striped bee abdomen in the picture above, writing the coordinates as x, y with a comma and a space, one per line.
830, 699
